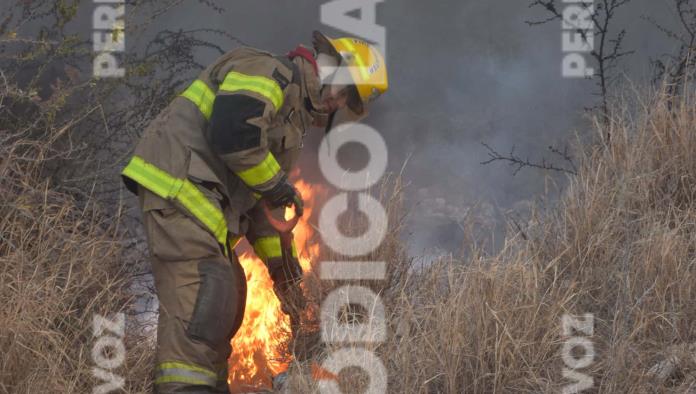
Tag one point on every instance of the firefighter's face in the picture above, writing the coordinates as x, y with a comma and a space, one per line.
334, 98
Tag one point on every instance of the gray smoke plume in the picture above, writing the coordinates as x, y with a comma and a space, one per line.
461, 73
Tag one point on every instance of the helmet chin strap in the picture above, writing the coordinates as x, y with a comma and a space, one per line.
329, 123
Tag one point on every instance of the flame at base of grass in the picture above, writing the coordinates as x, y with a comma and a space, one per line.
259, 348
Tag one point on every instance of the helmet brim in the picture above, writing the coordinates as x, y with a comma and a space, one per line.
322, 44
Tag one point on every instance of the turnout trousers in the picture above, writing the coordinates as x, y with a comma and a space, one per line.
201, 292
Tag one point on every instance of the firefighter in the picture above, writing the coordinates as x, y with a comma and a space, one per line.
203, 171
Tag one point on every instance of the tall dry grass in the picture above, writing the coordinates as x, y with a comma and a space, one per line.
60, 266
620, 245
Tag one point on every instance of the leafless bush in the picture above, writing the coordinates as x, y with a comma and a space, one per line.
62, 258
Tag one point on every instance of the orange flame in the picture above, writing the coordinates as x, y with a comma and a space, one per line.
258, 348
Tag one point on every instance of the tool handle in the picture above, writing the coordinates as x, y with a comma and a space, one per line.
282, 226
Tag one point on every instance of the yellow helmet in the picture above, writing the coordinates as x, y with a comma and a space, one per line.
365, 64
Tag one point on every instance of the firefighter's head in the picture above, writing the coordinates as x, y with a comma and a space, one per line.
352, 74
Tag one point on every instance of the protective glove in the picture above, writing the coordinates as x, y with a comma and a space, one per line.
287, 278
283, 194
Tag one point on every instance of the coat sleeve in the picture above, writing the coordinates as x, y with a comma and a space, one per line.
262, 236
249, 96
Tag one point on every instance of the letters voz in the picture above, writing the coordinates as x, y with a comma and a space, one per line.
108, 352
578, 352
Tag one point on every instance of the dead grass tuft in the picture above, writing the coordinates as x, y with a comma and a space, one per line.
620, 246
60, 266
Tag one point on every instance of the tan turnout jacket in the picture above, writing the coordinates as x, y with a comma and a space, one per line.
269, 91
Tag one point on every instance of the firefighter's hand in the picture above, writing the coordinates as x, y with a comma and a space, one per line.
283, 195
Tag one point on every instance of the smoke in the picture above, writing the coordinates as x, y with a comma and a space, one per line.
461, 73
467, 72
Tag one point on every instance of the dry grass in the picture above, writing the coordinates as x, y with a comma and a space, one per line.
60, 266
619, 246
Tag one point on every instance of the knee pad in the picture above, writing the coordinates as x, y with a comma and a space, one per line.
219, 306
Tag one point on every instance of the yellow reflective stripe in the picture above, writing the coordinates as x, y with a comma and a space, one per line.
266, 87
178, 372
182, 190
186, 366
260, 173
269, 247
156, 180
199, 205
182, 379
358, 58
201, 95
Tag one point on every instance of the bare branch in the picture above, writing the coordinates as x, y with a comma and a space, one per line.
519, 163
608, 50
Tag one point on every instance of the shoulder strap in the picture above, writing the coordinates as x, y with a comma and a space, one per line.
292, 66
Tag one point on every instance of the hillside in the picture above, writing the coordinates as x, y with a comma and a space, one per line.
614, 258
618, 246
